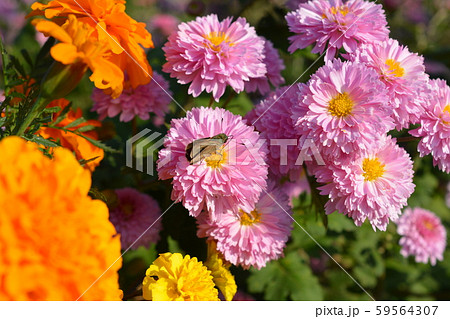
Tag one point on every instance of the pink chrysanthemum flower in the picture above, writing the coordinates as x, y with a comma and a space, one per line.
141, 101
272, 119
135, 214
404, 75
375, 185
337, 24
224, 181
435, 126
347, 109
423, 235
211, 55
274, 65
253, 237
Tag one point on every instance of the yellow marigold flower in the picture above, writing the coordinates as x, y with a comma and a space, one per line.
172, 277
83, 149
124, 35
55, 240
76, 46
222, 276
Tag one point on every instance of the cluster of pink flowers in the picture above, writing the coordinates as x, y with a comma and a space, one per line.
338, 124
252, 238
423, 235
226, 189
344, 110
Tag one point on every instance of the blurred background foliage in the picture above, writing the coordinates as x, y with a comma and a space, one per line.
306, 272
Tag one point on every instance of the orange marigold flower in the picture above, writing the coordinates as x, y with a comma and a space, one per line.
76, 46
124, 35
55, 240
82, 148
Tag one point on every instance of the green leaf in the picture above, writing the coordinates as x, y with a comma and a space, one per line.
84, 162
18, 66
17, 94
77, 122
339, 222
173, 246
42, 141
27, 57
4, 55
86, 128
63, 114
369, 264
99, 144
54, 109
286, 278
148, 255
94, 193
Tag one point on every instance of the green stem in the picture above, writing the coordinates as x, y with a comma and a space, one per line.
229, 98
407, 139
35, 111
3, 53
211, 101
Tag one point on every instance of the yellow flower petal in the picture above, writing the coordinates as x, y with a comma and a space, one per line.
172, 277
222, 276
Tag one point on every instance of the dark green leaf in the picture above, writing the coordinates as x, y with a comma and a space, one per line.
54, 109
84, 162
286, 278
43, 141
27, 57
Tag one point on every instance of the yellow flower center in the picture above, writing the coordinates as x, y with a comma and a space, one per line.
217, 159
394, 68
216, 39
373, 169
446, 109
342, 9
428, 225
341, 105
251, 218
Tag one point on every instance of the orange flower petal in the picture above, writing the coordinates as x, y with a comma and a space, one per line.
65, 53
107, 75
49, 28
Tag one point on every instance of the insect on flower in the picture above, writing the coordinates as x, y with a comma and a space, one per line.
205, 147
